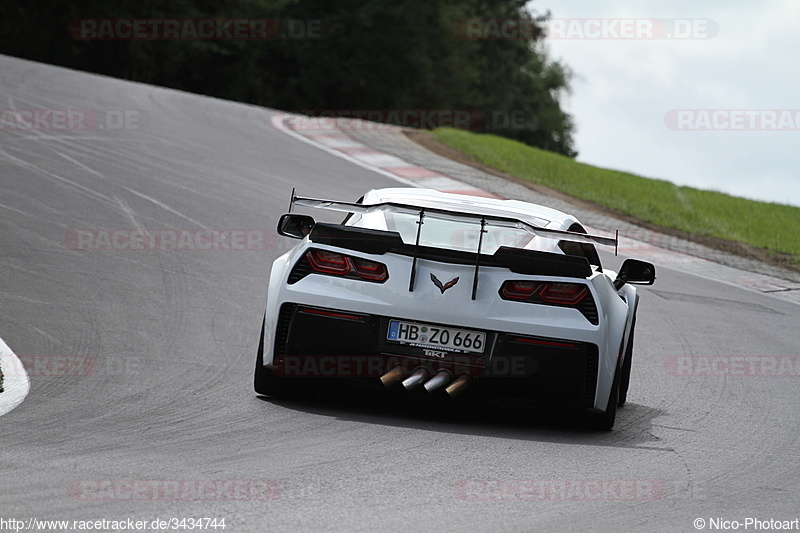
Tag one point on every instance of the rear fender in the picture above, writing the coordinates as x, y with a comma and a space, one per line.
278, 274
616, 321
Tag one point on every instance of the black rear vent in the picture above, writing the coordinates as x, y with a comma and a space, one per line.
301, 269
282, 332
592, 359
589, 309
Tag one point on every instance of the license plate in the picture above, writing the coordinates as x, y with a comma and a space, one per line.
428, 336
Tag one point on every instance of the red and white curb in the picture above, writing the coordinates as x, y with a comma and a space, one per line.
16, 384
329, 134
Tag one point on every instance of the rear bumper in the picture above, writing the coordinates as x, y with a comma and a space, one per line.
316, 342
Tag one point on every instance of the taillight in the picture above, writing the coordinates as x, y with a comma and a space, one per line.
541, 292
370, 269
329, 262
564, 293
519, 290
575, 295
337, 264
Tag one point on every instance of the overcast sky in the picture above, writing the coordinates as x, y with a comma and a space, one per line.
742, 56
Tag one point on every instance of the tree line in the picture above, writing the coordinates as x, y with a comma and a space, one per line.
475, 64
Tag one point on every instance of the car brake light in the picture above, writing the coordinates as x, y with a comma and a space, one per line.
332, 314
329, 262
342, 265
520, 290
564, 293
575, 295
370, 269
540, 342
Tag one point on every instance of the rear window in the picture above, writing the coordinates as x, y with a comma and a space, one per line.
448, 234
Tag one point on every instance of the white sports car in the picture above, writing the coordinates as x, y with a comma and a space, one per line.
450, 295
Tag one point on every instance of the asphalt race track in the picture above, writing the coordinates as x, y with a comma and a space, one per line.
165, 406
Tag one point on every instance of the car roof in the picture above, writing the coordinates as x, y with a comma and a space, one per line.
537, 214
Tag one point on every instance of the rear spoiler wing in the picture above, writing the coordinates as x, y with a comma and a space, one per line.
521, 261
379, 242
509, 222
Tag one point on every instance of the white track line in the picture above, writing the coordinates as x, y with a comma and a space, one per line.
278, 122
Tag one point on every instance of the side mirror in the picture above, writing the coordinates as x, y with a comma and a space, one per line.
295, 226
635, 272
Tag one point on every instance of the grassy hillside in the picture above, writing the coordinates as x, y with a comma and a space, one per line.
772, 227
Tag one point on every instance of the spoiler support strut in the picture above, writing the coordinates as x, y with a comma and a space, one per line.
420, 222
478, 258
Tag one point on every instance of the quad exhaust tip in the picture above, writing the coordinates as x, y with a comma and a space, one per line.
390, 378
459, 385
439, 380
416, 379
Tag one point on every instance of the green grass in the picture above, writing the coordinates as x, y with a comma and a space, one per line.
772, 227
